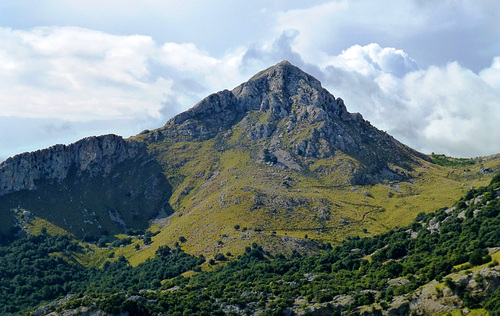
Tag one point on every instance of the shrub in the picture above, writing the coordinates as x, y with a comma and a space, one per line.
220, 257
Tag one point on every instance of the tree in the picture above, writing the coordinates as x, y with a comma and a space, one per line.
476, 257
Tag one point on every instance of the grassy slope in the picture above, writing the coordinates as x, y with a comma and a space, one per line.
223, 183
218, 185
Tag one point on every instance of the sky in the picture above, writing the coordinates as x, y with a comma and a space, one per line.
425, 71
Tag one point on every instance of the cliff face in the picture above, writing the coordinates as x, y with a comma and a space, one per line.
95, 186
93, 155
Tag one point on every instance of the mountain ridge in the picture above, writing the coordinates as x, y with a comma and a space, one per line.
92, 185
91, 154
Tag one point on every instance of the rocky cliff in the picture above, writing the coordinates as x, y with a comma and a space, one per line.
93, 155
97, 185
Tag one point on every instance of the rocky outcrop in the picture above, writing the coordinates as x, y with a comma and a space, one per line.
95, 156
436, 298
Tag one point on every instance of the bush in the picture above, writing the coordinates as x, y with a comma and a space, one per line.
220, 257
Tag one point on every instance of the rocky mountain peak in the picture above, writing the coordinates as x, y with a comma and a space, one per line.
283, 86
277, 90
290, 109
282, 78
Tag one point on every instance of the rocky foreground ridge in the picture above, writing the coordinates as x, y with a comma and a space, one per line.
98, 185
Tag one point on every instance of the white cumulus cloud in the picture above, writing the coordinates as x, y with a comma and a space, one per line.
58, 84
445, 109
77, 74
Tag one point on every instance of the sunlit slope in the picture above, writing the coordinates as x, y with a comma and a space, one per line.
281, 162
227, 199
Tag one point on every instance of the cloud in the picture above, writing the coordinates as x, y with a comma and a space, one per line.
372, 59
77, 74
445, 109
263, 54
58, 84
461, 106
433, 32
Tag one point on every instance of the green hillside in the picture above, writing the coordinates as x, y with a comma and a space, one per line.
221, 183
445, 261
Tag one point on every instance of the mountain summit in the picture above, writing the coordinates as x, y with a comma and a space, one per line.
289, 111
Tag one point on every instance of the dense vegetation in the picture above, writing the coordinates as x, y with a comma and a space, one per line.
38, 268
446, 161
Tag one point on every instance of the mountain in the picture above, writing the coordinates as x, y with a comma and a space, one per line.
278, 160
289, 113
233, 206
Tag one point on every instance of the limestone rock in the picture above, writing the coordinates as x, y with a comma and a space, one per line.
93, 155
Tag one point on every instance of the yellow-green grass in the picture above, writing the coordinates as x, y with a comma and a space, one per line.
471, 312
494, 257
37, 225
207, 216
94, 256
